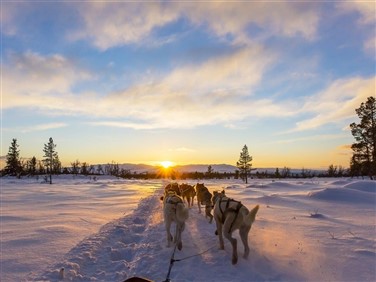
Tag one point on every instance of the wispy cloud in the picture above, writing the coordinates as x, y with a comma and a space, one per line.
32, 80
336, 103
366, 11
217, 91
37, 127
135, 23
322, 137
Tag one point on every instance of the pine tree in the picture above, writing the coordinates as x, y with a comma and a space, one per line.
32, 166
244, 164
364, 148
51, 158
13, 163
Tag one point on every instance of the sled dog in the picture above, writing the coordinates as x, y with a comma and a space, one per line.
229, 216
174, 210
173, 187
188, 193
204, 198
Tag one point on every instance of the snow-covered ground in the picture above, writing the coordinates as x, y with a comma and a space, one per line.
112, 229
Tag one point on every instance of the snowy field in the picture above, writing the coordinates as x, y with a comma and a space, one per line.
112, 229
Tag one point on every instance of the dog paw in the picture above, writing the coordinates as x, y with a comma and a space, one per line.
180, 246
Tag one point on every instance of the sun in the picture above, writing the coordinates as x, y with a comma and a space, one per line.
166, 164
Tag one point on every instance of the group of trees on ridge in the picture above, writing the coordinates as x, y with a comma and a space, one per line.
363, 161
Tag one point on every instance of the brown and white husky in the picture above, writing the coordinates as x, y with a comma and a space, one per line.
229, 216
174, 210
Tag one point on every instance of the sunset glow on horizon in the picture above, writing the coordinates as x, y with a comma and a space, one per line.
166, 164
190, 83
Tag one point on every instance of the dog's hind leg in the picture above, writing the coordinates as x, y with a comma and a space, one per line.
219, 233
178, 233
199, 204
228, 234
234, 247
243, 232
168, 233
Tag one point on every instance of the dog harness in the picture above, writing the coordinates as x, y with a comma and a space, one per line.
173, 199
229, 209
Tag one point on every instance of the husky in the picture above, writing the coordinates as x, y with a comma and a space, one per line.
174, 210
229, 216
204, 198
173, 187
188, 193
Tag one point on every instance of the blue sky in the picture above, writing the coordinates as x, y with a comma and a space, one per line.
188, 82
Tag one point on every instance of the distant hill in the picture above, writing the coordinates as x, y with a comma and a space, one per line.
204, 168
221, 168
180, 168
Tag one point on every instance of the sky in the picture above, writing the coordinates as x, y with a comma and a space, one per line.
189, 82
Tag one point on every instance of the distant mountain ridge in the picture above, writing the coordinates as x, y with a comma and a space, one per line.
221, 168
180, 168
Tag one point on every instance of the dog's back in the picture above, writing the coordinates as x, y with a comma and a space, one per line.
173, 187
174, 208
203, 194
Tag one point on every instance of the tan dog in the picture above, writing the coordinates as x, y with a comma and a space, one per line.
229, 216
204, 198
173, 187
174, 210
188, 193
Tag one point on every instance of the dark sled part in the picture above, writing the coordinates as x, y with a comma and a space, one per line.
137, 279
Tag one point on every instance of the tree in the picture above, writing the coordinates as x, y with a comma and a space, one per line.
76, 167
85, 168
277, 174
32, 166
209, 172
51, 158
244, 164
286, 172
13, 163
332, 171
364, 148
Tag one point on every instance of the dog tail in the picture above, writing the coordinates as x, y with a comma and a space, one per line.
251, 216
182, 212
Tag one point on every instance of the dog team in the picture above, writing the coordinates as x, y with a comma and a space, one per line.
229, 214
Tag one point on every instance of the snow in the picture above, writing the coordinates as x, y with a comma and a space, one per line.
112, 229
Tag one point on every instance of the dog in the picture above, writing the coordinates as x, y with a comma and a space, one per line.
188, 193
204, 197
174, 210
173, 187
230, 215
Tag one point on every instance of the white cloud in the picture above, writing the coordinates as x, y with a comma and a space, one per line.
336, 103
38, 127
282, 18
367, 17
114, 24
322, 137
36, 81
366, 10
218, 91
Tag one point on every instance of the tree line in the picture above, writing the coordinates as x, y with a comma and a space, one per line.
362, 163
